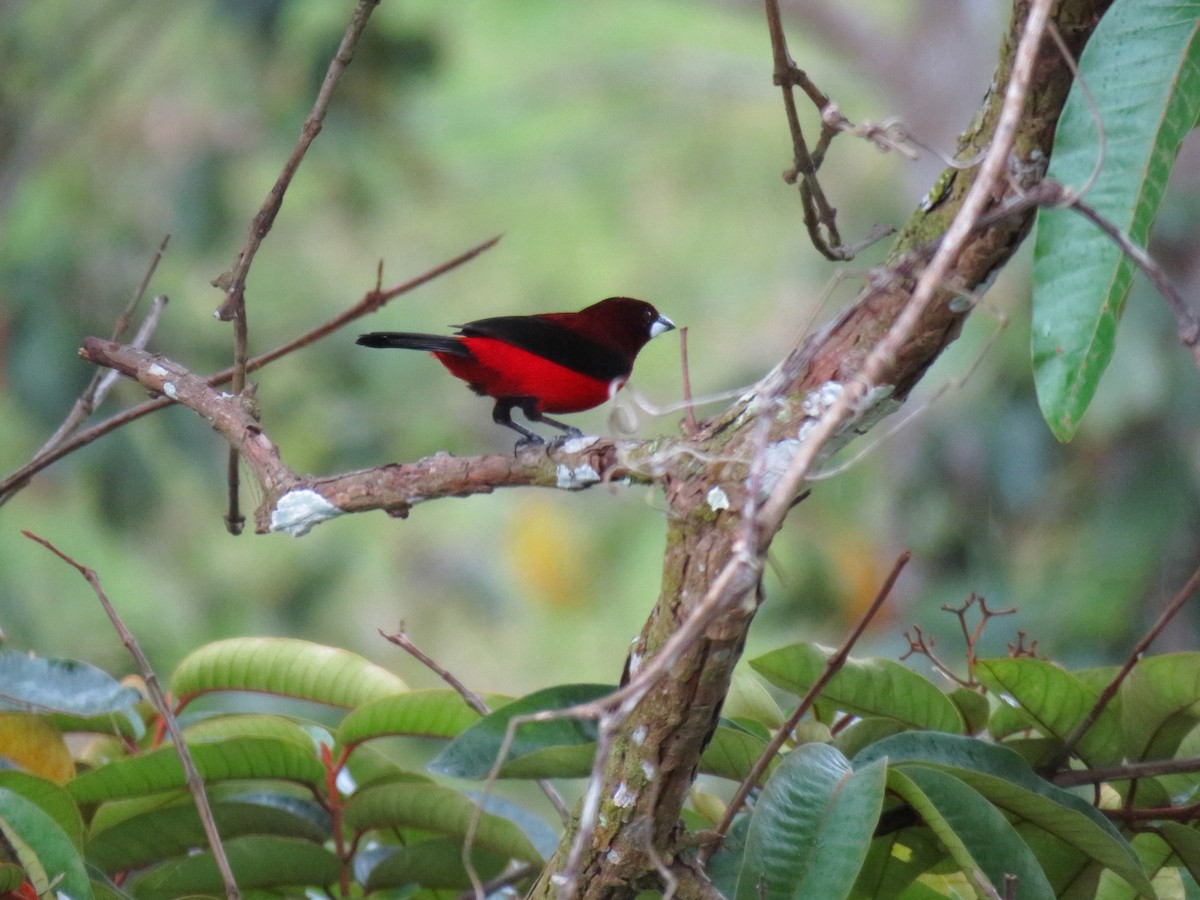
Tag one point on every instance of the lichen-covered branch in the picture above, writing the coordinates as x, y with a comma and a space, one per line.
294, 503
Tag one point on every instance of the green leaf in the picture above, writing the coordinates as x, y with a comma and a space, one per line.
1154, 853
433, 713
1160, 704
12, 877
981, 841
160, 770
435, 863
811, 828
1185, 842
749, 699
1006, 781
47, 853
870, 687
171, 826
473, 753
256, 862
433, 807
38, 684
52, 799
732, 752
1142, 70
287, 667
1056, 701
894, 861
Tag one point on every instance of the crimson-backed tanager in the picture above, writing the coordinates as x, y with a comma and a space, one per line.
548, 363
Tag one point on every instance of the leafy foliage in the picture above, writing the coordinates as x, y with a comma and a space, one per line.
901, 803
1127, 141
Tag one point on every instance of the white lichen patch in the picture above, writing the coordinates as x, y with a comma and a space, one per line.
578, 444
717, 498
169, 389
298, 511
649, 769
819, 400
574, 478
623, 797
157, 371
639, 736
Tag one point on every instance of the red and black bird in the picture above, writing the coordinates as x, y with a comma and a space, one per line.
548, 363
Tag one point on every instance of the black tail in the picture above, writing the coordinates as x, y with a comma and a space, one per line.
408, 340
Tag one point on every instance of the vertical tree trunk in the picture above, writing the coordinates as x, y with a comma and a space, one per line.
655, 757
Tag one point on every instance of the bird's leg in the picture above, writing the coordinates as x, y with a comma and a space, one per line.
502, 415
529, 407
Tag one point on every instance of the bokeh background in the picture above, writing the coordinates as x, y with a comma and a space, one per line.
621, 147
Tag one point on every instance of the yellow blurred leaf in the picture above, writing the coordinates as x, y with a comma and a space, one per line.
34, 744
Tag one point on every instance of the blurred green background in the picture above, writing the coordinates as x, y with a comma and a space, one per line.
621, 147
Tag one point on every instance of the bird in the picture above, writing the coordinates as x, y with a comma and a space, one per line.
562, 362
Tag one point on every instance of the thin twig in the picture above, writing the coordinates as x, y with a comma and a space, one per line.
370, 302
1110, 690
401, 639
885, 351
234, 282
832, 666
192, 776
1154, 768
93, 394
690, 427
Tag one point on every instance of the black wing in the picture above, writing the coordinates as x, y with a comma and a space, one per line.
554, 342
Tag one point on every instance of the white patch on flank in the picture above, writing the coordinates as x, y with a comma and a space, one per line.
575, 479
157, 371
623, 797
717, 499
298, 511
169, 389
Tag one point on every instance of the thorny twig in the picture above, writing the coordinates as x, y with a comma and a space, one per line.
192, 777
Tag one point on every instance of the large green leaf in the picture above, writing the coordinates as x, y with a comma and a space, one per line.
256, 862
160, 770
473, 753
894, 861
52, 799
436, 863
1010, 784
811, 828
173, 828
285, 666
1141, 69
436, 808
47, 853
1160, 704
38, 684
865, 687
1056, 702
432, 713
976, 834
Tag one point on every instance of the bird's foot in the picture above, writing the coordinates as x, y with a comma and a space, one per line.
525, 443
